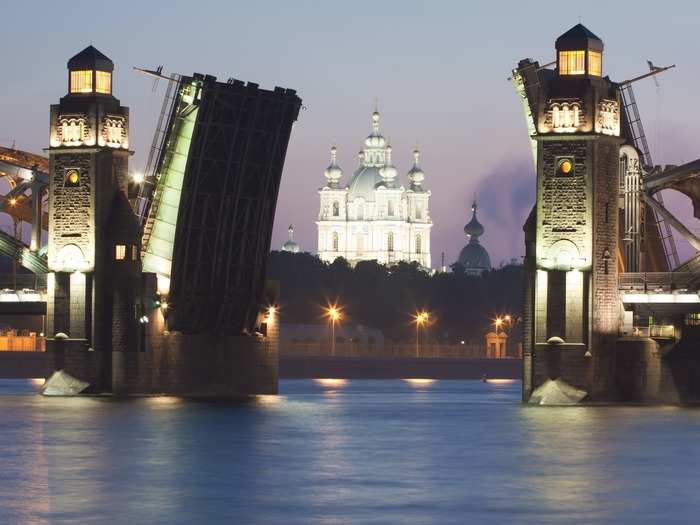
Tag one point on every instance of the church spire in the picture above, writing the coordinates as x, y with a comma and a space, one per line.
416, 175
474, 229
375, 122
333, 172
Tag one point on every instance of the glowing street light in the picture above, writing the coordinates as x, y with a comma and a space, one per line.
421, 318
334, 315
271, 311
138, 177
498, 322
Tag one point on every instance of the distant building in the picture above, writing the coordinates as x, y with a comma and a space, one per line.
374, 217
474, 257
291, 245
496, 345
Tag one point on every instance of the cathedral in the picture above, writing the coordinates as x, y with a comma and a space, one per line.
374, 217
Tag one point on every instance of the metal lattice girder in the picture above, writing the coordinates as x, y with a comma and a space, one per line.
227, 207
666, 178
17, 250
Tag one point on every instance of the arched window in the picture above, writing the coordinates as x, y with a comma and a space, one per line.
418, 244
335, 241
360, 211
390, 242
336, 209
390, 208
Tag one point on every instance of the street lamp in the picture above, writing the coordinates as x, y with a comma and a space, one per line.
420, 318
138, 177
498, 322
333, 313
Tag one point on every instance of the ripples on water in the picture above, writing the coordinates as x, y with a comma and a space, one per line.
345, 452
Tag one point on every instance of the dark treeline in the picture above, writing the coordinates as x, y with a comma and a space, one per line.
461, 307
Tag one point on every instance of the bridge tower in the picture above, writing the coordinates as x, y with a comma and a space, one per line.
93, 237
572, 258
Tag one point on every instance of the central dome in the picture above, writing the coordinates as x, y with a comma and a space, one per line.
363, 183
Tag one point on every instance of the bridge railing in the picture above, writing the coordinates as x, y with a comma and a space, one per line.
659, 282
660, 331
23, 283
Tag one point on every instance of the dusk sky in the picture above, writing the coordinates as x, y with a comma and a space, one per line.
438, 69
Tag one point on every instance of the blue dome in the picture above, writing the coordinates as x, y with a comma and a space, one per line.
474, 256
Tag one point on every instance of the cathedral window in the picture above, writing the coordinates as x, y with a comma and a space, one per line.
336, 209
103, 82
608, 121
419, 212
390, 208
81, 81
595, 63
565, 116
72, 179
114, 131
119, 252
360, 211
335, 241
72, 131
418, 244
572, 62
390, 242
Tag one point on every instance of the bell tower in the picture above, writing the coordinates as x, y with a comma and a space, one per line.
91, 225
575, 226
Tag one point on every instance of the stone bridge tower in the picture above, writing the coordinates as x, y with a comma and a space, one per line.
93, 239
573, 233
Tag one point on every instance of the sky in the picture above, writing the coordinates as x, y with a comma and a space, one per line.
438, 69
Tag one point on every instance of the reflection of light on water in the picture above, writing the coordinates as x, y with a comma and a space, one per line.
266, 399
331, 382
500, 381
165, 400
37, 381
415, 381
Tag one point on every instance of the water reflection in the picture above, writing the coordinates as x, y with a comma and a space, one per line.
418, 382
331, 382
376, 452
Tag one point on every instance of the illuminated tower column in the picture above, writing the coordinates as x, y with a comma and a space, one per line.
88, 165
576, 310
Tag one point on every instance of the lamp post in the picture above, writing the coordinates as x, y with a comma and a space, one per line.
333, 314
420, 318
497, 323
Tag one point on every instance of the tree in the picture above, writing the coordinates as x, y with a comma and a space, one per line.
462, 306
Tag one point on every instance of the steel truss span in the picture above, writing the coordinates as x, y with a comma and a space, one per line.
228, 195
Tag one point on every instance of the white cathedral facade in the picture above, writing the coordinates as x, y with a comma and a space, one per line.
374, 217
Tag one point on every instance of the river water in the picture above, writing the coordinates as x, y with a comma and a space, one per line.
345, 452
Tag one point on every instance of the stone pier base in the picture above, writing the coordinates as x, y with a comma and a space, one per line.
76, 358
198, 366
